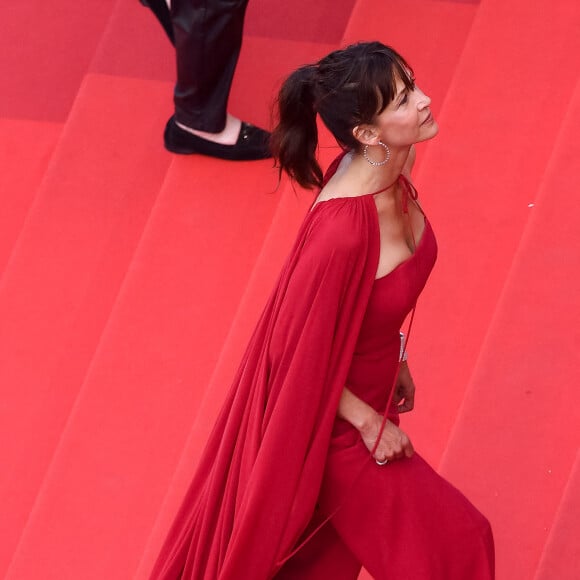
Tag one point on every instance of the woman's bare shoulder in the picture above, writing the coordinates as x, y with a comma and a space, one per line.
334, 187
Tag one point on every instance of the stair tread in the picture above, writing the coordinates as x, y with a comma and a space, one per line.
475, 182
150, 368
561, 557
516, 460
48, 50
25, 151
284, 224
119, 259
65, 272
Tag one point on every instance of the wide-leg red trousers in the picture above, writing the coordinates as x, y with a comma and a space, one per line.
400, 521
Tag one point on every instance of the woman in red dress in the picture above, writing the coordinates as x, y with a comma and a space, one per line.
307, 474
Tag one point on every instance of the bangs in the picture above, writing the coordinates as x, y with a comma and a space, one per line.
378, 86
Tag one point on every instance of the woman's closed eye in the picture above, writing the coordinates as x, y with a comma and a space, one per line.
404, 99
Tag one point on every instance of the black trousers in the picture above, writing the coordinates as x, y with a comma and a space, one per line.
207, 35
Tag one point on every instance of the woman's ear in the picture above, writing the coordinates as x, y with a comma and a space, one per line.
366, 134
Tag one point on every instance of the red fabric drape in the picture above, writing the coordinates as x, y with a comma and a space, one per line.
259, 477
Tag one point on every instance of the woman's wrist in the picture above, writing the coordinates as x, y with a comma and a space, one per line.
354, 410
367, 423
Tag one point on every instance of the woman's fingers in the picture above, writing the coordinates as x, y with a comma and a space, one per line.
408, 448
388, 452
395, 447
393, 444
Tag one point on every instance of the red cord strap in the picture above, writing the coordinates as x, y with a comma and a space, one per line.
408, 192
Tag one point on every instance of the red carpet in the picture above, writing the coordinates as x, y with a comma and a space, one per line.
561, 551
46, 50
64, 274
27, 144
518, 427
130, 279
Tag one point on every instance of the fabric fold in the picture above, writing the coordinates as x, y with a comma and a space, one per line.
260, 474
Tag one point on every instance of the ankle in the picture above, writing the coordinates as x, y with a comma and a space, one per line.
228, 136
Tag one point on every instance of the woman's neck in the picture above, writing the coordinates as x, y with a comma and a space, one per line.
355, 177
358, 177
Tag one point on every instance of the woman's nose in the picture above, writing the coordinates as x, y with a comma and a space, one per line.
424, 100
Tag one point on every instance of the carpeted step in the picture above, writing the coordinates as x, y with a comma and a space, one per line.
189, 271
156, 356
561, 557
293, 205
284, 224
154, 359
516, 438
25, 151
65, 273
498, 125
140, 396
48, 47
134, 45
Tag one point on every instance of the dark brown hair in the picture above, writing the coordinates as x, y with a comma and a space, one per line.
349, 87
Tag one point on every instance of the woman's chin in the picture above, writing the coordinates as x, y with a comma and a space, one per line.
429, 131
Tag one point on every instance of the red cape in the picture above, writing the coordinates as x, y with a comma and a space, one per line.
259, 477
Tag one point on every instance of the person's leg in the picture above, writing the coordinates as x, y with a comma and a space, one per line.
323, 557
403, 520
207, 35
208, 38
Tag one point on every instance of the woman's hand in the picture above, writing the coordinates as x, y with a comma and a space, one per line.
404, 396
394, 443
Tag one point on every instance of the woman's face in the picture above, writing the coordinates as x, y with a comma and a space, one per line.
407, 119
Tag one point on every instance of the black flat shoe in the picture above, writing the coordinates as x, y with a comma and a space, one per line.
252, 143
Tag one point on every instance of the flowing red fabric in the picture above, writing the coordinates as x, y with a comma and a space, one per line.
257, 484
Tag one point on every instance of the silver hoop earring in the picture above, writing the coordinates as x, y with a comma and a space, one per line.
377, 163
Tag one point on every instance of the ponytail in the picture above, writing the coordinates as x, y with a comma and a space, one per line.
348, 87
295, 138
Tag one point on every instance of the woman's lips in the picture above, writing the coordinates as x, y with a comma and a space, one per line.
429, 119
